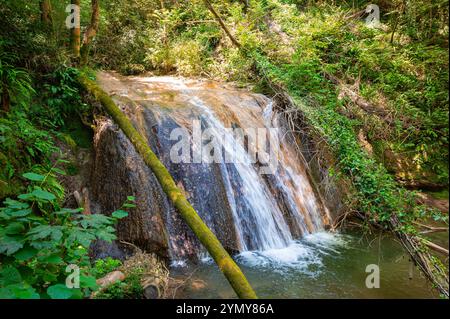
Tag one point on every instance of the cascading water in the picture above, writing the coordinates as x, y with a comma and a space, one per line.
269, 211
272, 223
259, 221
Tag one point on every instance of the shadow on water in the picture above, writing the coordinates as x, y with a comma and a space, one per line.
319, 266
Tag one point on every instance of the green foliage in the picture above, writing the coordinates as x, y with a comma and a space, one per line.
61, 99
22, 144
104, 266
36, 47
130, 288
15, 83
39, 239
401, 67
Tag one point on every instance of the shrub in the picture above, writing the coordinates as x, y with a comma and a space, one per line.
38, 240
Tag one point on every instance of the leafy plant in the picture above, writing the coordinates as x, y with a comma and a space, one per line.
105, 266
15, 83
38, 240
22, 145
62, 99
130, 288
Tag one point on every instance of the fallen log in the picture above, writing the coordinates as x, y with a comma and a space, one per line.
225, 263
422, 257
346, 90
435, 247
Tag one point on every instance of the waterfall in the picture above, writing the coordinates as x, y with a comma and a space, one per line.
268, 211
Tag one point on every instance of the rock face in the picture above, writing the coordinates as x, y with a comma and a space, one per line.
245, 210
154, 225
119, 172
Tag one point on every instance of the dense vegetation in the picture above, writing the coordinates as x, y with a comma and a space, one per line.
378, 97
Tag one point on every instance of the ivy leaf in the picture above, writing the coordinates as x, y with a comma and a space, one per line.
95, 221
59, 291
44, 231
34, 177
40, 232
119, 214
43, 244
66, 211
107, 235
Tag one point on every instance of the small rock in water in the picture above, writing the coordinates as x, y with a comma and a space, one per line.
198, 284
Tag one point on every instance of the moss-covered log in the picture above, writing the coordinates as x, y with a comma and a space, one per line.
226, 264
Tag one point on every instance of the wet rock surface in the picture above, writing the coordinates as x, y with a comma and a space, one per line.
246, 210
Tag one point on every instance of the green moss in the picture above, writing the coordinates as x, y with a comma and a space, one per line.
76, 134
72, 169
130, 288
442, 194
67, 139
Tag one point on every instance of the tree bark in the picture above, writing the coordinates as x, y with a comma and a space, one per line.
75, 34
91, 31
46, 12
422, 258
6, 100
226, 264
222, 24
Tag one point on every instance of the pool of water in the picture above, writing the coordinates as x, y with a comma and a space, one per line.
322, 265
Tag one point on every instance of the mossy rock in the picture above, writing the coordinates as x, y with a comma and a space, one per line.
130, 288
67, 139
76, 134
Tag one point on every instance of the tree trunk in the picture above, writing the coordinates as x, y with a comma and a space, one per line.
246, 5
75, 34
6, 101
226, 264
91, 31
46, 13
222, 24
